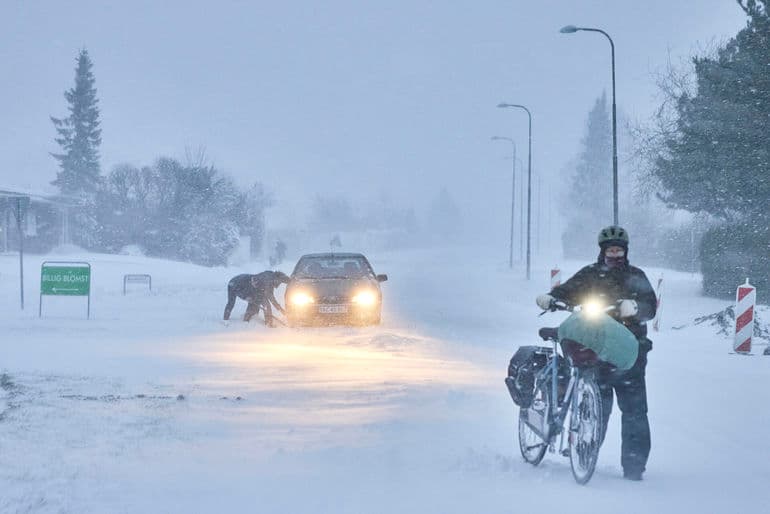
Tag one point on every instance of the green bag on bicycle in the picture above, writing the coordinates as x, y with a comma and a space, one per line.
610, 340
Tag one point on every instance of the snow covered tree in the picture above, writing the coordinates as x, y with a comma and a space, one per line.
79, 137
588, 203
208, 240
190, 202
254, 202
716, 160
119, 207
79, 134
187, 212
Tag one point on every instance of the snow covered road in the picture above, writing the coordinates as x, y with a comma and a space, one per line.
154, 405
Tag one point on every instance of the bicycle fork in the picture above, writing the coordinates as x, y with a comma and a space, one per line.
568, 405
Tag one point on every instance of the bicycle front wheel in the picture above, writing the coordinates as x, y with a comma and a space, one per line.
585, 436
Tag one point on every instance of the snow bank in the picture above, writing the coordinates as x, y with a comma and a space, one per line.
154, 405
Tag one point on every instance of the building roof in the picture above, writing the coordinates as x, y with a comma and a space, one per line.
37, 195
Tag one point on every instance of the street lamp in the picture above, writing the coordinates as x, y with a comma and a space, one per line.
521, 212
513, 193
529, 184
569, 29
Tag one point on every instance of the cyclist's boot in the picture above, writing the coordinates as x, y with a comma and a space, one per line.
632, 474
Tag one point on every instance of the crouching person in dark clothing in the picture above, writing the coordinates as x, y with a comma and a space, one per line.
616, 282
258, 291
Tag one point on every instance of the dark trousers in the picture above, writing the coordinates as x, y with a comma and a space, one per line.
230, 302
631, 390
252, 309
267, 310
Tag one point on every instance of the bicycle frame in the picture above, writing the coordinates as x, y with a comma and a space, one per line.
557, 411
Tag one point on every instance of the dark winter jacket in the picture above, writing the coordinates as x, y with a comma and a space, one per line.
264, 285
257, 288
241, 287
611, 285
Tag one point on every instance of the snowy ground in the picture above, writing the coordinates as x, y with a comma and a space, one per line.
155, 405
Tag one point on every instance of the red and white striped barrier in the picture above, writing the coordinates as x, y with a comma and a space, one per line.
555, 277
656, 321
745, 298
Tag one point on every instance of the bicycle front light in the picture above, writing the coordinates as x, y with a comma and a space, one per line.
592, 308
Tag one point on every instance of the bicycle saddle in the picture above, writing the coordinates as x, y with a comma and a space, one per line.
549, 333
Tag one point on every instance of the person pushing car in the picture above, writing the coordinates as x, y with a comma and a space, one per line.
618, 283
258, 291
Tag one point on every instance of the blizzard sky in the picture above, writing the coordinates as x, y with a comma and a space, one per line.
365, 98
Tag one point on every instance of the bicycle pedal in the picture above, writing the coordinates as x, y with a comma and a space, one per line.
565, 452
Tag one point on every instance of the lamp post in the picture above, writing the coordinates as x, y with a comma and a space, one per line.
529, 184
521, 213
22, 204
570, 29
513, 193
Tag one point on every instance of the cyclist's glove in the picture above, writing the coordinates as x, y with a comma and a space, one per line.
628, 308
544, 301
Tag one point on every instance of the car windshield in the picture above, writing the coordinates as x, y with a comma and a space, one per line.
332, 267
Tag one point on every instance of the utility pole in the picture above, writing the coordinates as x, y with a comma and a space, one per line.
19, 213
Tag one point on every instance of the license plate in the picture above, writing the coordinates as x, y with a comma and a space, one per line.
332, 309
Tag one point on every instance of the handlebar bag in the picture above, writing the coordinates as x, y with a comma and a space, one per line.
611, 341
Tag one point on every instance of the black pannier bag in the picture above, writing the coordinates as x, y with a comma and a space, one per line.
522, 370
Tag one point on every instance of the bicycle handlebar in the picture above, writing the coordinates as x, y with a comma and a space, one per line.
561, 305
558, 305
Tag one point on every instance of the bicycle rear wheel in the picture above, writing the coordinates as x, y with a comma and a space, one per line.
585, 436
531, 442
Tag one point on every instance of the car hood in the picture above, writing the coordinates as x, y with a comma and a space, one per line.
331, 287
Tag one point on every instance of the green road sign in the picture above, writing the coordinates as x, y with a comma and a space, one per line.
65, 280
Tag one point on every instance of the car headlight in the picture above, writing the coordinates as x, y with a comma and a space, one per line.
300, 299
365, 298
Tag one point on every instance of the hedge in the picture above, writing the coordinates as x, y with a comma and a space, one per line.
731, 254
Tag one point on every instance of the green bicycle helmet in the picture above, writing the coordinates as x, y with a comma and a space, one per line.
613, 235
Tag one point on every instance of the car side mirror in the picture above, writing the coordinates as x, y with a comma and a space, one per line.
382, 278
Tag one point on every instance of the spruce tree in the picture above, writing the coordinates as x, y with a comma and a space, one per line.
79, 137
588, 205
718, 160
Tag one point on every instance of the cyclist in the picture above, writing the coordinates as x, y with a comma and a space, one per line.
614, 280
257, 290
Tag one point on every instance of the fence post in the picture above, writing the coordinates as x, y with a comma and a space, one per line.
555, 277
745, 298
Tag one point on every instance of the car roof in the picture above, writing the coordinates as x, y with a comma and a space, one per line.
333, 254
